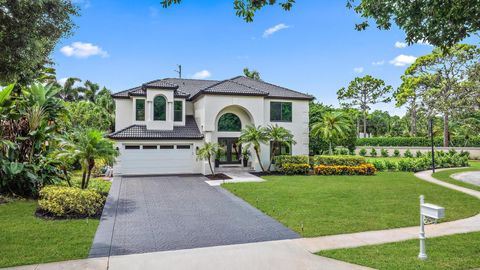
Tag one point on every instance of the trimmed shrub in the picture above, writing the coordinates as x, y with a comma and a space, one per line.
363, 169
419, 154
70, 201
293, 169
338, 160
384, 152
284, 159
396, 153
408, 154
416, 141
362, 152
373, 152
391, 165
97, 184
379, 164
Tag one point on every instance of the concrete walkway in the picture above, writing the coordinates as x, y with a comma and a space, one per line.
468, 177
471, 224
236, 177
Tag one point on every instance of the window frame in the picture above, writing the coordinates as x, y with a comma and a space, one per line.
176, 111
132, 147
282, 104
164, 118
223, 130
167, 147
136, 109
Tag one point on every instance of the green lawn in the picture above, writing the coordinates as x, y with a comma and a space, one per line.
25, 239
445, 175
460, 251
329, 205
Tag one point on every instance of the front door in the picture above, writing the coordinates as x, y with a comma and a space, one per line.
232, 150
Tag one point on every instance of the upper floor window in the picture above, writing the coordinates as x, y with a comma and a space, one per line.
178, 111
159, 108
229, 122
281, 111
140, 109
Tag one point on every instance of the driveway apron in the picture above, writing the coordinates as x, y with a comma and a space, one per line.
148, 214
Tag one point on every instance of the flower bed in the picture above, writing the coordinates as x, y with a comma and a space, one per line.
363, 169
339, 160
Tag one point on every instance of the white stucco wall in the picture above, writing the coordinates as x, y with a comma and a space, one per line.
123, 116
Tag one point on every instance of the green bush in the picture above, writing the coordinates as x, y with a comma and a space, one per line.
416, 141
362, 152
408, 154
283, 159
362, 169
391, 165
373, 152
70, 201
384, 152
295, 169
379, 164
97, 184
339, 160
396, 153
419, 154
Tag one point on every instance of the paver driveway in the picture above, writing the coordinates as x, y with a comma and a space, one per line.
148, 214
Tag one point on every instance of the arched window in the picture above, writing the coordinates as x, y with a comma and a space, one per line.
229, 122
159, 108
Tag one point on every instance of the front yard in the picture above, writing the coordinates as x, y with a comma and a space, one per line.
327, 205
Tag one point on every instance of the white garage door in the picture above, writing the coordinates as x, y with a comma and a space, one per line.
157, 159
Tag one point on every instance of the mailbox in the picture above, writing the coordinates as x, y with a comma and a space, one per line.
432, 210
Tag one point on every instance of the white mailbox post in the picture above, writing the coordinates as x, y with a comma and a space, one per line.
427, 210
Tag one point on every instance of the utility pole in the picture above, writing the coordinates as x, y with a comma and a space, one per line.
179, 71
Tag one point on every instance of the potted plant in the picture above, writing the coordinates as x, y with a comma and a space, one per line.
218, 154
245, 156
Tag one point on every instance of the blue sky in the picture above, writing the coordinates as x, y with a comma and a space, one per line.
313, 48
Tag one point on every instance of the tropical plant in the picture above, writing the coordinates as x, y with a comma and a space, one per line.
68, 90
206, 152
90, 90
252, 74
334, 126
278, 136
255, 136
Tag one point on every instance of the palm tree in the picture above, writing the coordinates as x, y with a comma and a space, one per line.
206, 152
278, 136
333, 126
88, 146
90, 90
254, 136
68, 91
252, 74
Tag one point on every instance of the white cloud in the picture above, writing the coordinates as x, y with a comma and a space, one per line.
403, 60
424, 42
63, 80
358, 70
202, 74
378, 63
83, 50
270, 31
400, 45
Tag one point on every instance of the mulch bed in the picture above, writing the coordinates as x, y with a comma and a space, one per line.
218, 176
40, 213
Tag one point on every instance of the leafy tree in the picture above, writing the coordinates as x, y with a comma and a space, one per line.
445, 78
255, 136
333, 127
206, 152
363, 92
252, 74
440, 23
278, 136
28, 34
378, 123
89, 146
245, 8
90, 90
85, 114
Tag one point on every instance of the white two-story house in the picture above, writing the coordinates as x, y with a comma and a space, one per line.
160, 124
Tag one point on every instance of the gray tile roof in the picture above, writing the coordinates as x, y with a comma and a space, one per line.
240, 85
140, 132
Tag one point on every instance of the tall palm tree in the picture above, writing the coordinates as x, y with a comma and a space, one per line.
254, 136
90, 90
206, 152
68, 90
88, 146
333, 126
278, 136
252, 74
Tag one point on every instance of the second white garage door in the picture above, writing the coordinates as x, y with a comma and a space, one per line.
157, 159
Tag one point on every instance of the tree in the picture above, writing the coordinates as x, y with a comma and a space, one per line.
334, 126
90, 90
85, 114
68, 92
206, 152
252, 74
363, 92
408, 93
278, 136
440, 23
29, 32
245, 8
255, 136
445, 78
88, 146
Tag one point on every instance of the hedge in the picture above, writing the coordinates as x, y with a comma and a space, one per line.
363, 169
70, 201
291, 168
284, 159
416, 141
442, 160
339, 160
